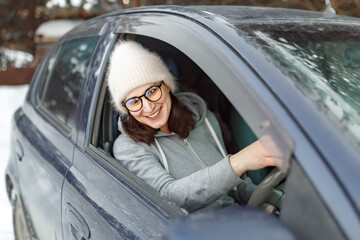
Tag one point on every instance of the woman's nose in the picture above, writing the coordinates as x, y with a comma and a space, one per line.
147, 106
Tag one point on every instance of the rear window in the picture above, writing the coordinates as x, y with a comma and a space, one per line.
67, 74
323, 60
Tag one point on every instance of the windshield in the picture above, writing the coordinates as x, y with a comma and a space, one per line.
323, 60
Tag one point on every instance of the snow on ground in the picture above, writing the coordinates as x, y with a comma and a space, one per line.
11, 97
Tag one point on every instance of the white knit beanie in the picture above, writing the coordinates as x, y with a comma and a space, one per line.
131, 66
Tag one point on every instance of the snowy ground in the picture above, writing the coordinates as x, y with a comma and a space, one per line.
11, 98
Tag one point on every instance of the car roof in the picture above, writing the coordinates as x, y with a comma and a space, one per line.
239, 12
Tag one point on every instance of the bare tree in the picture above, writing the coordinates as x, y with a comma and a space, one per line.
19, 19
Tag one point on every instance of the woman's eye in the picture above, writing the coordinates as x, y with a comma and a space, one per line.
150, 91
132, 101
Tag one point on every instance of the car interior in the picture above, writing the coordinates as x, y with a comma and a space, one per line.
236, 132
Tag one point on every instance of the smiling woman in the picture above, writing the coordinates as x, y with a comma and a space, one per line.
163, 115
155, 118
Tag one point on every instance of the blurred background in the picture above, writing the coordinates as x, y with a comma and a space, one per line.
29, 27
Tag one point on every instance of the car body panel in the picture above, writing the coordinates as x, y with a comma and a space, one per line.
109, 207
41, 192
41, 169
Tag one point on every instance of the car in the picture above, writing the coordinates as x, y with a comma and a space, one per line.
290, 74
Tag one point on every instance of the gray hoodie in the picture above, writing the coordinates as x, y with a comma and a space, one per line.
198, 172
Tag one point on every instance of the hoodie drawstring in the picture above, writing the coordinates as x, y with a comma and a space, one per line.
163, 157
215, 137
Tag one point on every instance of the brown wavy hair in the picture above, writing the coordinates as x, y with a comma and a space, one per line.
180, 122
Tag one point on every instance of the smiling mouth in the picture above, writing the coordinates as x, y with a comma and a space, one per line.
155, 114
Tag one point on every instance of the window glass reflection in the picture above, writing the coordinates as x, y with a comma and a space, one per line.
324, 62
67, 78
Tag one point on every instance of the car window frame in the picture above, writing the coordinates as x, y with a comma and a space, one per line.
70, 132
91, 28
109, 162
61, 126
254, 111
119, 173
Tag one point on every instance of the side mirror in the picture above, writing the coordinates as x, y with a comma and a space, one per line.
237, 222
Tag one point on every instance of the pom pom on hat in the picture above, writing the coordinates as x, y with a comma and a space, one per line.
131, 66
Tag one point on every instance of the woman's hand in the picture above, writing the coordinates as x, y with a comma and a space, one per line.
255, 156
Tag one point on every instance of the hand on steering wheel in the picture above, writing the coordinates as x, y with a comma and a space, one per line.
266, 186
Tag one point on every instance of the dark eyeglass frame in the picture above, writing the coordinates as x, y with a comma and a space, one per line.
144, 95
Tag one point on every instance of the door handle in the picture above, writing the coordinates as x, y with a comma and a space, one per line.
79, 228
19, 150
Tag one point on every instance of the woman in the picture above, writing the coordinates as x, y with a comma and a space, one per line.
172, 141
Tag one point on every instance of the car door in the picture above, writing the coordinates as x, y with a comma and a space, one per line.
47, 134
101, 200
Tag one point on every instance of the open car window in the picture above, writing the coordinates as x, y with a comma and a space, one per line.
227, 70
190, 78
236, 132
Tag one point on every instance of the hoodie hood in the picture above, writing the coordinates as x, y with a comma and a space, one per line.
196, 105
194, 102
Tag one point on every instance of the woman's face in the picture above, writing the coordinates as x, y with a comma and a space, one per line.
152, 114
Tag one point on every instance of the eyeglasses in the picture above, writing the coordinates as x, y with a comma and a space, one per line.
152, 94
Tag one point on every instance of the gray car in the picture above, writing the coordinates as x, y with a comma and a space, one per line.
292, 75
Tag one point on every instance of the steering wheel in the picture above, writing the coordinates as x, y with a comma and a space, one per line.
264, 189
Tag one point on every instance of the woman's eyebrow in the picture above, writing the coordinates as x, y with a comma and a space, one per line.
155, 85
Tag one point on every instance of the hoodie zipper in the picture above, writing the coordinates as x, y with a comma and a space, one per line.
193, 152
